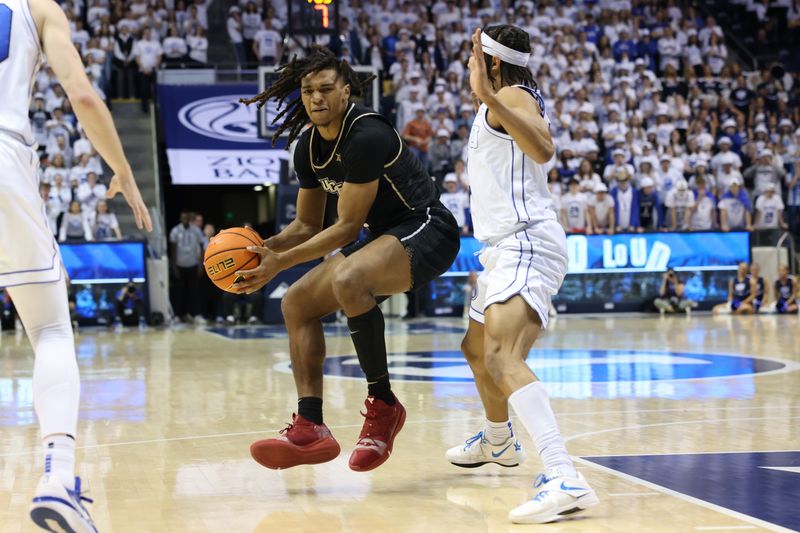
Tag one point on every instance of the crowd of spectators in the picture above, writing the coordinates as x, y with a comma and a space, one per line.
656, 125
124, 42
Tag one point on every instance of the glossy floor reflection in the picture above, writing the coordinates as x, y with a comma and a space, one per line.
649, 405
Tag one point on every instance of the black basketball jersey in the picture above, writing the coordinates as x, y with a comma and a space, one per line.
368, 148
784, 288
741, 288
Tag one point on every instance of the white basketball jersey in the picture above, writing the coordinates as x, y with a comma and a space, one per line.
20, 58
509, 189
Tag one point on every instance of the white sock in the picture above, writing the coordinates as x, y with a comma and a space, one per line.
59, 459
532, 406
497, 432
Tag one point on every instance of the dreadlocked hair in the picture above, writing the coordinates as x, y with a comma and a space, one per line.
290, 75
516, 39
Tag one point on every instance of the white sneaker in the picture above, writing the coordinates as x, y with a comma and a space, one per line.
55, 506
477, 451
558, 497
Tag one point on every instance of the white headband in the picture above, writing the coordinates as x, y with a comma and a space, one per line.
504, 53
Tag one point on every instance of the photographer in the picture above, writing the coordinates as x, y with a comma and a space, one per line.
129, 305
671, 296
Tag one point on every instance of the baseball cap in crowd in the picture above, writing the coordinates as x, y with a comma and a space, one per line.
766, 152
600, 187
442, 132
619, 139
439, 88
38, 96
785, 122
418, 107
701, 163
730, 123
797, 132
617, 152
735, 181
415, 74
644, 32
450, 179
761, 129
724, 140
662, 110
681, 185
586, 107
769, 187
404, 30
665, 157
465, 108
647, 182
613, 106
234, 9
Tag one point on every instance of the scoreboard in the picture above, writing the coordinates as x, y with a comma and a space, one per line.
313, 17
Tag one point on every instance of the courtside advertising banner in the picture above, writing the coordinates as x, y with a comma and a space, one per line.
212, 139
637, 253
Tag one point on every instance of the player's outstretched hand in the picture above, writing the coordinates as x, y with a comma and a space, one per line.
252, 280
478, 79
128, 188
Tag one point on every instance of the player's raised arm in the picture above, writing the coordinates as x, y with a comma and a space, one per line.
90, 109
511, 108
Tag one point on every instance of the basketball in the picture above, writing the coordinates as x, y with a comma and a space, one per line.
227, 253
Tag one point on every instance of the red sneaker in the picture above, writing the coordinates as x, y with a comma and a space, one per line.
301, 443
383, 423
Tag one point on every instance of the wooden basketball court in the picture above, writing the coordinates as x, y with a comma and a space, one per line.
680, 425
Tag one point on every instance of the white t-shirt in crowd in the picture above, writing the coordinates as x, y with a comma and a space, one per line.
457, 202
601, 209
148, 53
575, 207
703, 216
770, 209
734, 212
268, 41
680, 201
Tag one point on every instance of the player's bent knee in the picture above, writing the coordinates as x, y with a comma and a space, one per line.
347, 282
296, 304
473, 357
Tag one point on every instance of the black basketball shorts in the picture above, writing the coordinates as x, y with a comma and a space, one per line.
431, 239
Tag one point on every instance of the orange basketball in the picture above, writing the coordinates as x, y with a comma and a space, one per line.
227, 253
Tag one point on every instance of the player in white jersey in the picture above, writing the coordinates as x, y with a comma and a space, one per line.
525, 261
30, 264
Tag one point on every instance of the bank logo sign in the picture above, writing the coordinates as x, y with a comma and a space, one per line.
212, 138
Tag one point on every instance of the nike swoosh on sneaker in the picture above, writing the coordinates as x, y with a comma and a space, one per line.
564, 487
496, 455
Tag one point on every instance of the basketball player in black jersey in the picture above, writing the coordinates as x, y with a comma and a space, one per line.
354, 153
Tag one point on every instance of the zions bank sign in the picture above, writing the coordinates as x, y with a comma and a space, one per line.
212, 138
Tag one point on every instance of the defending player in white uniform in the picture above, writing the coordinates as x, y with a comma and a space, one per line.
30, 263
525, 261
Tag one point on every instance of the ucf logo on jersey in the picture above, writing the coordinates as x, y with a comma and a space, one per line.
331, 186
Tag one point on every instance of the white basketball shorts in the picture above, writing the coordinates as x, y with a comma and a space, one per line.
28, 250
531, 263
